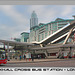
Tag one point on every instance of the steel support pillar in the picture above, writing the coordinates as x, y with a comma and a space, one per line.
8, 51
41, 45
68, 36
46, 54
70, 51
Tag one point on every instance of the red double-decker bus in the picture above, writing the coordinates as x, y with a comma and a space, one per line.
3, 58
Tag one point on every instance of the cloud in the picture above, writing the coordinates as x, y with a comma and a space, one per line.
20, 21
67, 11
40, 11
45, 13
48, 13
10, 11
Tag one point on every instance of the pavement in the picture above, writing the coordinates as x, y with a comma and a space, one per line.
41, 63
35, 60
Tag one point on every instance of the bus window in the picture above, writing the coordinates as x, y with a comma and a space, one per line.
2, 55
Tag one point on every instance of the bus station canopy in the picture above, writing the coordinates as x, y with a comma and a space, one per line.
13, 43
58, 46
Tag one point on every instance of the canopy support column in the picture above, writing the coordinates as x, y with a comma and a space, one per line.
8, 51
41, 45
68, 36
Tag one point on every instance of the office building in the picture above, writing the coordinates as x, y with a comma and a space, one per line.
41, 31
24, 36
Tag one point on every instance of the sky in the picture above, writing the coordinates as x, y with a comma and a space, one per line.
15, 19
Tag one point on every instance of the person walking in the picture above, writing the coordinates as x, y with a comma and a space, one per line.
32, 57
20, 57
38, 56
24, 57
